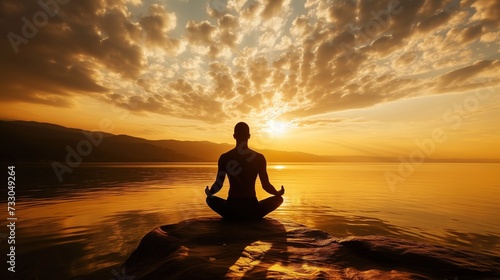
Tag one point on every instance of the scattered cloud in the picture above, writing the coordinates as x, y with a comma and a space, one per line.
156, 26
246, 58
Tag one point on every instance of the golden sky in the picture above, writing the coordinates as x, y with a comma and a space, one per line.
339, 77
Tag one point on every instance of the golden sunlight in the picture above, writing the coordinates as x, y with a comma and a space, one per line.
279, 167
276, 128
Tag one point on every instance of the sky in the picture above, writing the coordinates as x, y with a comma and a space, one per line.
340, 77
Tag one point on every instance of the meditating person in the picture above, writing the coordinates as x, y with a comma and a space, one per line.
242, 165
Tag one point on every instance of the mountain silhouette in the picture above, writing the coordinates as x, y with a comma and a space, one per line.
29, 141
34, 141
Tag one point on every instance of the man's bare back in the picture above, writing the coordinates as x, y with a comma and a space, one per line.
242, 165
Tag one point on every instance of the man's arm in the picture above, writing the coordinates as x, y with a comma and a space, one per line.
264, 180
219, 179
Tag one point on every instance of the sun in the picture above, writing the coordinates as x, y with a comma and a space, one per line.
276, 127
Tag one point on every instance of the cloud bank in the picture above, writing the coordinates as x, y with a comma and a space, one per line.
252, 59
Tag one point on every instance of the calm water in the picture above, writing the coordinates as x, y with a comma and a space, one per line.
88, 224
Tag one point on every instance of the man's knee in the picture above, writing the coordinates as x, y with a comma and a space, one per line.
278, 199
211, 202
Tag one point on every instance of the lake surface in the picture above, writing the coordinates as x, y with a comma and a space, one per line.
85, 226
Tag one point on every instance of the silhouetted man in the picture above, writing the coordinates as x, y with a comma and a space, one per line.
242, 165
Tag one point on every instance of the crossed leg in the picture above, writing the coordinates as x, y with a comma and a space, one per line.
219, 205
234, 211
268, 205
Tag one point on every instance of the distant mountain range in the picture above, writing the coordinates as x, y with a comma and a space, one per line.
23, 141
33, 141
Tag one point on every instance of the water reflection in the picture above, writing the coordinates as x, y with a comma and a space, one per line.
40, 181
60, 254
90, 222
486, 242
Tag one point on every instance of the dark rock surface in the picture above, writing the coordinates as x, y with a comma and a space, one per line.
210, 248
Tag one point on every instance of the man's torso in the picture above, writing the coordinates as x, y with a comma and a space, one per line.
242, 167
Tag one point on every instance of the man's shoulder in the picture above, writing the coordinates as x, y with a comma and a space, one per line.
227, 155
235, 153
259, 154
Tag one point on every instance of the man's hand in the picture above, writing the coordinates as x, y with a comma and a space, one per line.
282, 191
207, 192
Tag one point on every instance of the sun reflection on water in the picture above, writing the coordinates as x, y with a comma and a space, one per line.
98, 227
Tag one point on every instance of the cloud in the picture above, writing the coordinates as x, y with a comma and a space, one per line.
214, 38
471, 33
229, 28
200, 33
318, 122
156, 25
490, 37
405, 59
342, 13
434, 21
64, 55
248, 58
196, 104
487, 12
248, 103
191, 63
272, 8
464, 76
251, 11
222, 80
258, 71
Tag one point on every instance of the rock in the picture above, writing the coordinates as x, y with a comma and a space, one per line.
211, 248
